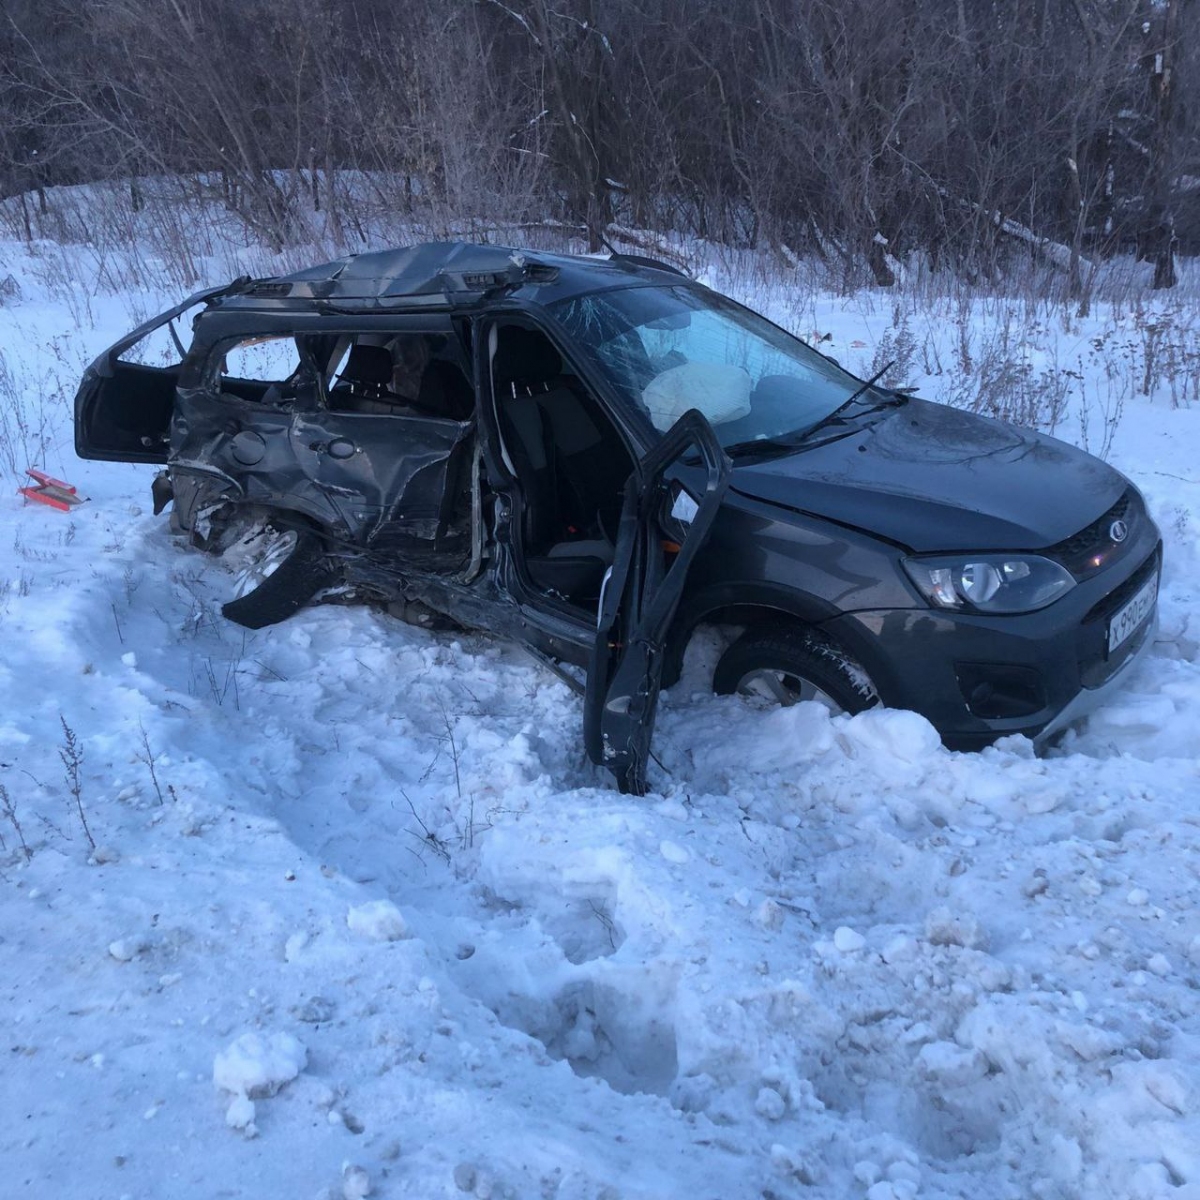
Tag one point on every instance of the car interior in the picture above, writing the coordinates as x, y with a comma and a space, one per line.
569, 460
406, 374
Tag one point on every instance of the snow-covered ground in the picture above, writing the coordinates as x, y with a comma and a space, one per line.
361, 919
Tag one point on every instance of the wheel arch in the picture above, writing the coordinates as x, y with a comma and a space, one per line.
763, 603
738, 604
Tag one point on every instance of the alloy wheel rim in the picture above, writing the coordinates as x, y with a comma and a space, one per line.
273, 550
784, 689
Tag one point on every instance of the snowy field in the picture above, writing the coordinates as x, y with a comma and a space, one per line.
360, 919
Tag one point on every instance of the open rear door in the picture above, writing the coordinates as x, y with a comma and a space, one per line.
665, 508
123, 408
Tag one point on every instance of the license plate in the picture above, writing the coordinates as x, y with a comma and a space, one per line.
1126, 621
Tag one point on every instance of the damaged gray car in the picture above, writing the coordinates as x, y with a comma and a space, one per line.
596, 457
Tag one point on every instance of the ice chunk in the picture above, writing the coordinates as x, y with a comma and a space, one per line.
848, 940
259, 1064
294, 946
899, 949
240, 1115
356, 1183
769, 914
673, 852
770, 1104
379, 920
951, 1065
126, 949
944, 928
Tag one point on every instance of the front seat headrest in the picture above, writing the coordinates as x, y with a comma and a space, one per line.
368, 364
525, 356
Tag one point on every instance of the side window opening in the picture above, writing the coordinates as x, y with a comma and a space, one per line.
267, 370
399, 374
262, 360
165, 346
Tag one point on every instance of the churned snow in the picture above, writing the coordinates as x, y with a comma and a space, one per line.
366, 923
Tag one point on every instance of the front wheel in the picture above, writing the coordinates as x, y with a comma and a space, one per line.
278, 571
785, 666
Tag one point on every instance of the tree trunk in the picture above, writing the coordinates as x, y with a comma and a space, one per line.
1161, 217
877, 260
25, 221
1075, 209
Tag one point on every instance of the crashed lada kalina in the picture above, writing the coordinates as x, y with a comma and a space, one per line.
596, 457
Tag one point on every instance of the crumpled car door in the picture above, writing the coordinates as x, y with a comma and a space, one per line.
123, 409
642, 592
380, 469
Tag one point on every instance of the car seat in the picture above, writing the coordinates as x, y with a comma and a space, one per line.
546, 429
367, 376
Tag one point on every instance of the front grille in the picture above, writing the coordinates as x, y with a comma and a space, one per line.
1088, 551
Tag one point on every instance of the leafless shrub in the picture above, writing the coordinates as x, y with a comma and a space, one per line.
25, 428
1012, 390
427, 837
897, 347
147, 756
1108, 399
71, 754
9, 811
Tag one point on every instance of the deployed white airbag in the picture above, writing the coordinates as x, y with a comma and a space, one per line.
720, 391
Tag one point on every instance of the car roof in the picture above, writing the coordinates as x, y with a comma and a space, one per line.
447, 275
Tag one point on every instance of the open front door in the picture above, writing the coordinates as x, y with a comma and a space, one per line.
123, 407
642, 591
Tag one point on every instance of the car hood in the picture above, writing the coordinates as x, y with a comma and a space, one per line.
933, 478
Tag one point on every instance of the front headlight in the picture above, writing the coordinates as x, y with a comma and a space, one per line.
992, 583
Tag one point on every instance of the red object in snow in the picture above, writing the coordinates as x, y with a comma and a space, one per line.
47, 490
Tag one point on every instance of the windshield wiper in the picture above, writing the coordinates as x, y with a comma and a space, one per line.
831, 417
790, 442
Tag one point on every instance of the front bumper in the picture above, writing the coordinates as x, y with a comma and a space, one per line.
1087, 700
919, 659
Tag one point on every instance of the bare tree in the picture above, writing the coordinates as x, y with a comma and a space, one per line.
966, 132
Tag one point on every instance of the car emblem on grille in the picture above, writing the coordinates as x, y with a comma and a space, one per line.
1118, 531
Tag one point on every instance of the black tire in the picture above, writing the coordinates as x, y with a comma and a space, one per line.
288, 587
794, 665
